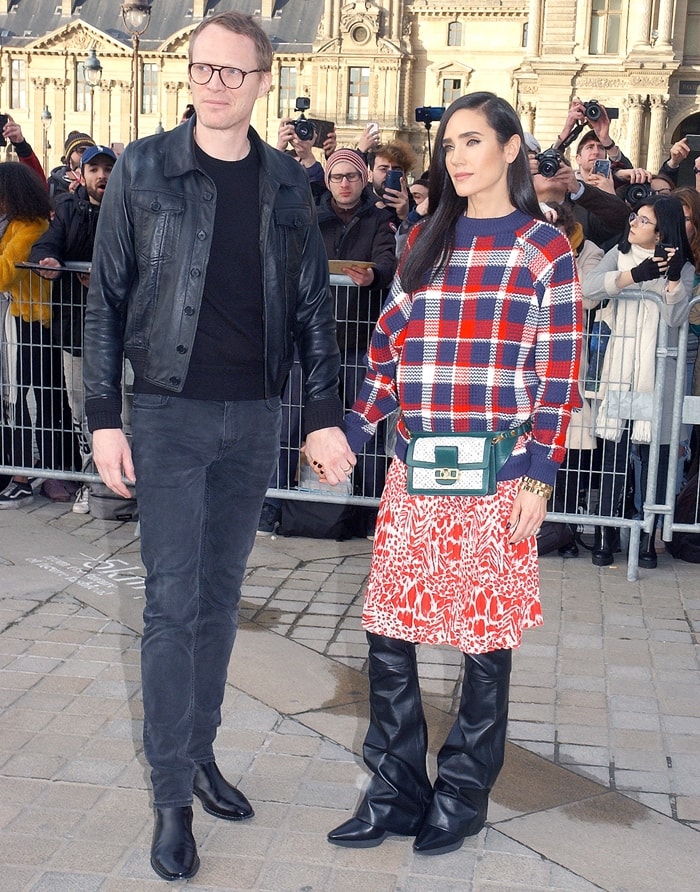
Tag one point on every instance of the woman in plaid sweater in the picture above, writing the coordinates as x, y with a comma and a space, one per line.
481, 332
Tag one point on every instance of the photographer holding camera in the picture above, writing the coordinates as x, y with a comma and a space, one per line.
300, 135
602, 215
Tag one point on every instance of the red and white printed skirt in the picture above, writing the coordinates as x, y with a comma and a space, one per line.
443, 571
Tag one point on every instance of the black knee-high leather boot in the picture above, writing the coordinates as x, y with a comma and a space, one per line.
396, 744
471, 757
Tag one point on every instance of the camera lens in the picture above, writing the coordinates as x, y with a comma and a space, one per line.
304, 129
548, 163
593, 111
637, 192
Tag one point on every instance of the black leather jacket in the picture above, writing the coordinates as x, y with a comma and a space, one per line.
149, 266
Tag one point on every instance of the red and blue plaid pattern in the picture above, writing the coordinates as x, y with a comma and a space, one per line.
490, 341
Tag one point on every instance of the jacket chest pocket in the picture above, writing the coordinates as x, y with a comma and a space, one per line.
291, 224
157, 225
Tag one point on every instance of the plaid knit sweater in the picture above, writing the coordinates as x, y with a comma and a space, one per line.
492, 339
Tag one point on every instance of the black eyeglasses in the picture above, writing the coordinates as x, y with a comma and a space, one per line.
232, 78
351, 177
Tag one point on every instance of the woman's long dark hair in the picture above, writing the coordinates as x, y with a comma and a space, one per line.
670, 224
23, 195
436, 238
690, 199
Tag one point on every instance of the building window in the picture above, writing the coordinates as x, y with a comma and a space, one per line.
691, 44
149, 88
81, 102
358, 94
287, 92
18, 90
451, 90
606, 22
454, 34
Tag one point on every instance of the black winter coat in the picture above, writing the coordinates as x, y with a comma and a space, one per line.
70, 237
370, 235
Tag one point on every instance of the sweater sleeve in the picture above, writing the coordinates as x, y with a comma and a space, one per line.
557, 360
377, 397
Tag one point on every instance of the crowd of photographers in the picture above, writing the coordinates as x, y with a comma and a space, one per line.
634, 231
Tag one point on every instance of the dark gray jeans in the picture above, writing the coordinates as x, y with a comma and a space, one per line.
202, 468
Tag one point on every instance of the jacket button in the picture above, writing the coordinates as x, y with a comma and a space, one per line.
201, 235
207, 196
174, 380
189, 311
155, 206
195, 273
181, 348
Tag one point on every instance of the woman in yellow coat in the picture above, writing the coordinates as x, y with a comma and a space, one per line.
30, 359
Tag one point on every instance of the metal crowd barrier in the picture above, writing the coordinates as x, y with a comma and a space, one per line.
59, 448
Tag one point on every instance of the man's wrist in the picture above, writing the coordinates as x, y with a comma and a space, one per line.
608, 146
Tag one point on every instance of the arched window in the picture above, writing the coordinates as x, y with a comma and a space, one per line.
454, 34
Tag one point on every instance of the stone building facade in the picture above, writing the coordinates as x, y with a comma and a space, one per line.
365, 60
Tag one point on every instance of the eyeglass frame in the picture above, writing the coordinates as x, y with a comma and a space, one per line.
644, 221
352, 177
217, 69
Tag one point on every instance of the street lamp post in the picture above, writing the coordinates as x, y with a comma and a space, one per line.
136, 15
46, 123
93, 75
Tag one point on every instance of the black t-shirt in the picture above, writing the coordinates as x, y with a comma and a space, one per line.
227, 361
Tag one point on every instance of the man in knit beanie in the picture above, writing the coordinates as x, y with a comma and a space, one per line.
65, 178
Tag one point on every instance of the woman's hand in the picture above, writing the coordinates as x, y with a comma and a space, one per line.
529, 510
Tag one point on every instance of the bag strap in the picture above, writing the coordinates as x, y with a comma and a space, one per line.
499, 436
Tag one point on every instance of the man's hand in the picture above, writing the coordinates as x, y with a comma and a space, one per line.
330, 144
526, 518
50, 271
398, 201
329, 455
360, 276
112, 457
369, 138
303, 149
635, 175
13, 132
679, 152
606, 184
285, 133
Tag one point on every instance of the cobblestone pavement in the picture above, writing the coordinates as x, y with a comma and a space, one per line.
601, 788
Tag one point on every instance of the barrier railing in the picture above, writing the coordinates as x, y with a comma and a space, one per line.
603, 482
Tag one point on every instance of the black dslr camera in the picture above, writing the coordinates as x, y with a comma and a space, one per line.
637, 192
429, 114
303, 128
548, 162
593, 111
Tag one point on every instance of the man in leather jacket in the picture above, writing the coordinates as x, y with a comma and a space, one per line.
208, 268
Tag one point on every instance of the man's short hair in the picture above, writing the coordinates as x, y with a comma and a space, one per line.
397, 151
242, 24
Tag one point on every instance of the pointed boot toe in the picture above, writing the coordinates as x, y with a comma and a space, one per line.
218, 797
357, 834
173, 850
436, 841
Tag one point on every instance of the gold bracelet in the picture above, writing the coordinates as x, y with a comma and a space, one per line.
529, 484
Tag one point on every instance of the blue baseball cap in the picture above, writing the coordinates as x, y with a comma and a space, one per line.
93, 151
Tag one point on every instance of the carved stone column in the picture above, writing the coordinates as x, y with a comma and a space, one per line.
635, 126
665, 22
640, 24
534, 26
657, 131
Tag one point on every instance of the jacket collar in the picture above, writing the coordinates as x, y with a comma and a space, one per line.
180, 157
